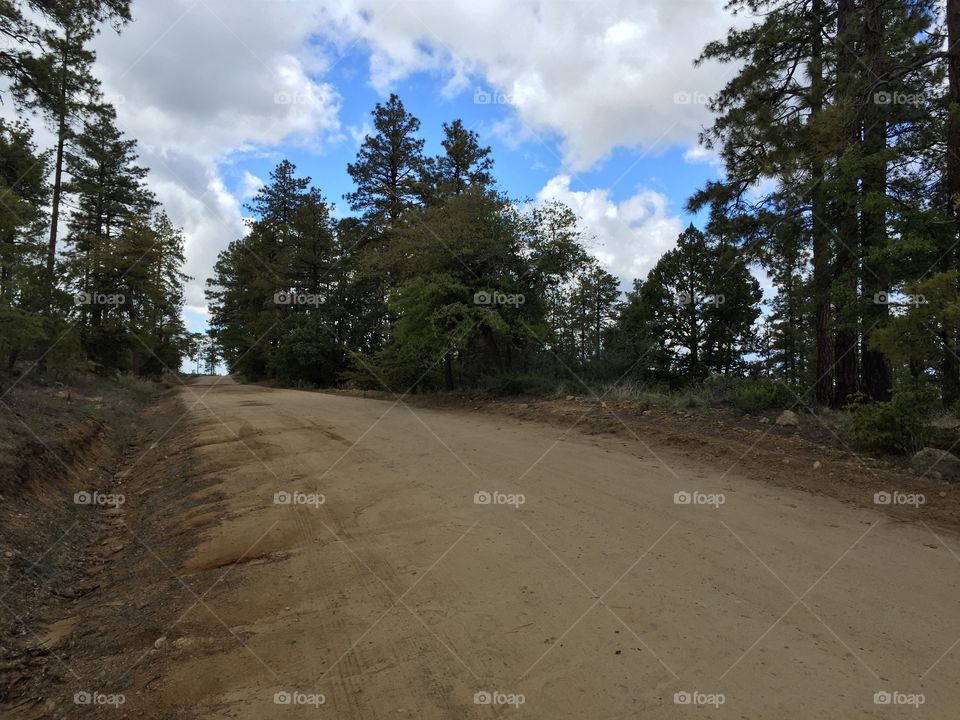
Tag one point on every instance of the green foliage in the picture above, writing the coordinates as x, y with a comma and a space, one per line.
110, 297
900, 425
446, 284
923, 325
389, 166
695, 311
838, 178
19, 332
512, 385
756, 395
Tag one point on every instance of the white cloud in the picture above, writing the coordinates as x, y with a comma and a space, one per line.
200, 83
208, 77
192, 192
630, 235
701, 155
601, 74
250, 186
203, 82
359, 133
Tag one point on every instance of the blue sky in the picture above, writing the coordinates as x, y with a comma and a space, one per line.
522, 168
595, 104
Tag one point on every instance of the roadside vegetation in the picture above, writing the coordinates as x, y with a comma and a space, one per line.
91, 274
91, 281
839, 139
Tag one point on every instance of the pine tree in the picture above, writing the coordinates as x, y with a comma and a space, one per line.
702, 302
389, 166
24, 35
464, 164
23, 196
807, 109
593, 299
109, 239
59, 83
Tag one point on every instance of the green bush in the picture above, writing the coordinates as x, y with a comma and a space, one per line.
898, 426
756, 395
505, 385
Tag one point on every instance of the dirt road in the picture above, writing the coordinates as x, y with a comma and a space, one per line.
371, 561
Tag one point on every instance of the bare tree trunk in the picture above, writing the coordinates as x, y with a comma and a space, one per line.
822, 255
57, 180
848, 241
876, 375
950, 366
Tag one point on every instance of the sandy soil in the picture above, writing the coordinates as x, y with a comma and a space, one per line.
384, 589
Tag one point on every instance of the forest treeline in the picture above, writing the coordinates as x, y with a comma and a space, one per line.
90, 266
839, 136
846, 112
440, 281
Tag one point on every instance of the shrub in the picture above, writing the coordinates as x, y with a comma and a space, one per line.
504, 385
756, 395
898, 426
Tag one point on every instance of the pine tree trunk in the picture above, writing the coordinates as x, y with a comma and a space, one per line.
448, 371
950, 366
876, 378
822, 266
57, 180
848, 230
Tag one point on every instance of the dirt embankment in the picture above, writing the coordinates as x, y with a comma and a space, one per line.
77, 572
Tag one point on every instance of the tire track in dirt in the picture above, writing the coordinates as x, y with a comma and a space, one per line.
512, 592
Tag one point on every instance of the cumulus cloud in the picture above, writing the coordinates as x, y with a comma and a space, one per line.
198, 82
251, 185
701, 155
194, 196
206, 77
203, 83
630, 236
601, 75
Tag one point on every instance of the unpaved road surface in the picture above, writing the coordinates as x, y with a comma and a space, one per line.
599, 596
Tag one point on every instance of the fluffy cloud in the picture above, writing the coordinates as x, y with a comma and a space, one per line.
630, 236
202, 82
193, 194
701, 155
198, 82
599, 74
208, 76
